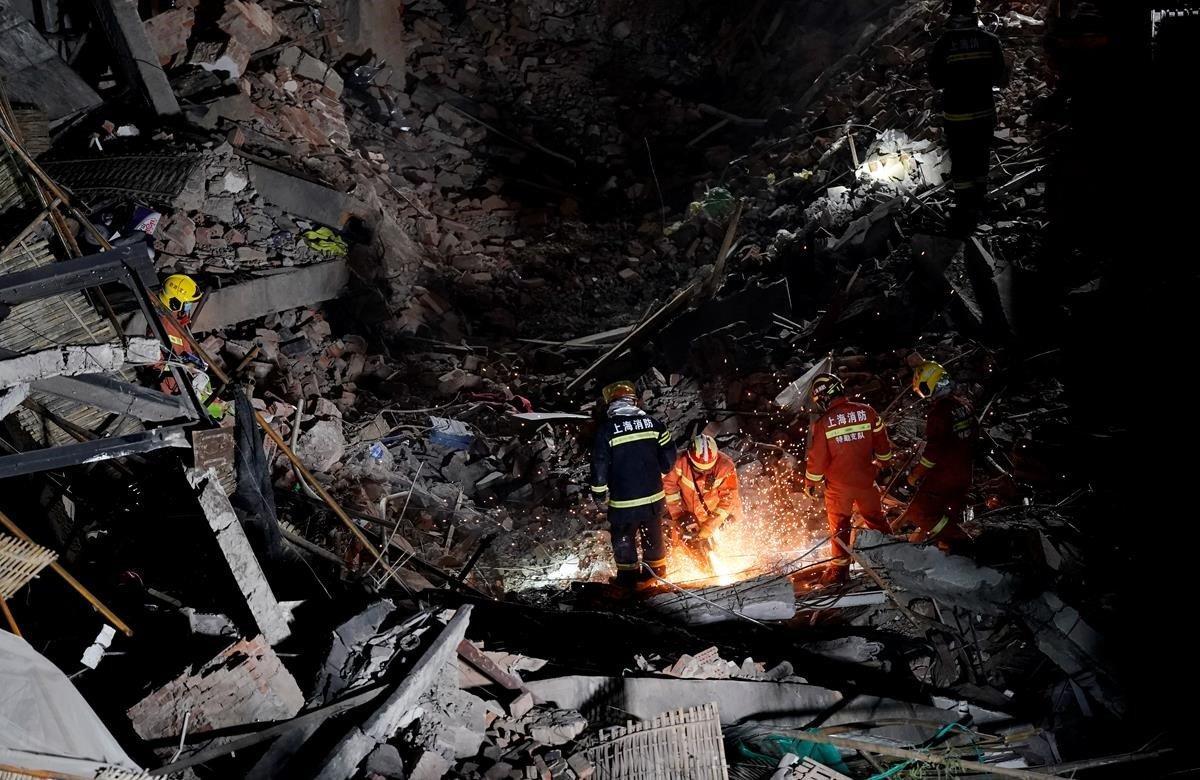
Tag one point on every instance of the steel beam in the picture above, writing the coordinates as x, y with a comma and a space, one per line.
122, 264
112, 395
92, 451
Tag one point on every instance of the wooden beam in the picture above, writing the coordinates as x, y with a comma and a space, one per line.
669, 307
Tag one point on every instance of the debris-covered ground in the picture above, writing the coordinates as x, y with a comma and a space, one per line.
340, 525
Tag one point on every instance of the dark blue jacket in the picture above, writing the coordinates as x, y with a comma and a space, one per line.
966, 62
631, 454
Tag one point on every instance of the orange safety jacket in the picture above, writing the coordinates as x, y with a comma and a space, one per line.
175, 327
709, 496
846, 441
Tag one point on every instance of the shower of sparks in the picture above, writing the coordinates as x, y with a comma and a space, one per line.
779, 526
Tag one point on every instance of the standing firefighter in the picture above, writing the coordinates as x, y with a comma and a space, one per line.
943, 475
965, 64
632, 453
849, 441
701, 493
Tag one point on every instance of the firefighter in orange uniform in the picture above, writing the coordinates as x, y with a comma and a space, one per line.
943, 475
849, 442
702, 494
180, 294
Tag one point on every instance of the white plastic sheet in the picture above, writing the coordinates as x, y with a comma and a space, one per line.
45, 724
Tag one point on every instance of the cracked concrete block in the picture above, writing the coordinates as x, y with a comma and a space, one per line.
322, 446
927, 570
250, 24
553, 726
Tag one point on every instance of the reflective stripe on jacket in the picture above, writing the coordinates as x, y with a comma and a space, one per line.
630, 455
950, 433
846, 440
683, 486
966, 62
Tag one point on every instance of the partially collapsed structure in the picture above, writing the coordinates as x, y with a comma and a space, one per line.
336, 522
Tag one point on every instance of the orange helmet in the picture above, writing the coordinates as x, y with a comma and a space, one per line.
702, 452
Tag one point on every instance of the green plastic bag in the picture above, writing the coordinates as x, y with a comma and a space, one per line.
717, 204
772, 747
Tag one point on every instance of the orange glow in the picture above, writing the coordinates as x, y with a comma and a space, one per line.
780, 525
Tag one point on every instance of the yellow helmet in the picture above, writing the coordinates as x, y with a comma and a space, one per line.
618, 390
179, 290
927, 377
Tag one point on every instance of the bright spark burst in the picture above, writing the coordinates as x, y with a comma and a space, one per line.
779, 526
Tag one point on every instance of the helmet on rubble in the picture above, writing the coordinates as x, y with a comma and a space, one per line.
825, 388
928, 377
702, 452
178, 291
621, 389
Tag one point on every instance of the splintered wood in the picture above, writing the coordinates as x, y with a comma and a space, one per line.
681, 743
20, 562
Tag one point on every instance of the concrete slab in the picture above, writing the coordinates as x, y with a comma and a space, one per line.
400, 707
34, 73
271, 615
765, 598
303, 286
138, 58
778, 703
302, 197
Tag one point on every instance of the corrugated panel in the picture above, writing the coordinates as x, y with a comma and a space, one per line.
156, 179
49, 322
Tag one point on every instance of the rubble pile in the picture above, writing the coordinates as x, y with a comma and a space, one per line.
426, 234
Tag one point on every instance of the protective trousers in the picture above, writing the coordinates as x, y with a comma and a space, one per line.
840, 503
969, 142
937, 515
640, 526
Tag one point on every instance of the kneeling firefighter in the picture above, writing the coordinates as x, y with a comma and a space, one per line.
702, 494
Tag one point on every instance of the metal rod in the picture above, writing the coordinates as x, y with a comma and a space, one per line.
74, 583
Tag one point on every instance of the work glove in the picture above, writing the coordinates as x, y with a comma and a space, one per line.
884, 477
192, 360
601, 500
811, 489
914, 479
706, 530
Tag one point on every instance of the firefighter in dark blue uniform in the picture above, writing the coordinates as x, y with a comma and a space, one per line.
632, 453
965, 64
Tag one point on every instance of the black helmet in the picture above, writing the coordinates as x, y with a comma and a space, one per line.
825, 388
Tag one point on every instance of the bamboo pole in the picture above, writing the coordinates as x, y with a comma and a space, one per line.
320, 490
274, 436
74, 583
880, 582
8, 615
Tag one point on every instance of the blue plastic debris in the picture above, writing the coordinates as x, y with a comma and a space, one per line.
451, 434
